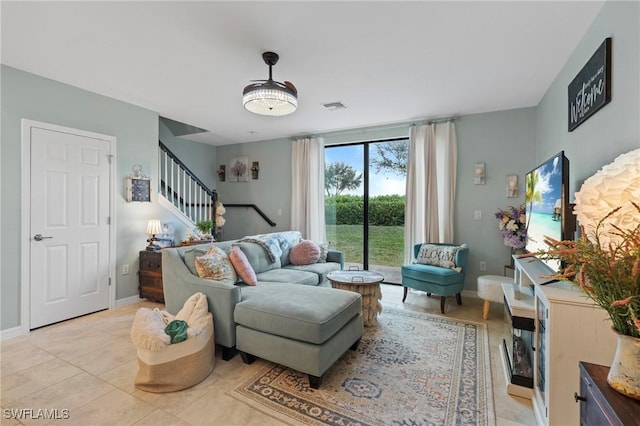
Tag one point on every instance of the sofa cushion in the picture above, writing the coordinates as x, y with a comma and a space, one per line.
288, 239
285, 275
242, 266
437, 255
324, 251
280, 310
257, 257
304, 253
190, 257
322, 269
430, 273
215, 265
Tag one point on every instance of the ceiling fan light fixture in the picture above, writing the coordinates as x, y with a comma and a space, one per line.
270, 97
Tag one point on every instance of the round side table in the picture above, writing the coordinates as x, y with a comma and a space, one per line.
367, 284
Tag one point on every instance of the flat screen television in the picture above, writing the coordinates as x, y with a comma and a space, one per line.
547, 208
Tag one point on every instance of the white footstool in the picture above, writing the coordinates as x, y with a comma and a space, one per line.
490, 290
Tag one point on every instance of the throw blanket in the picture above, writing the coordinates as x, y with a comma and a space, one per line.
148, 329
275, 244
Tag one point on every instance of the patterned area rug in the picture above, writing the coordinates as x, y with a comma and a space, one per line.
413, 369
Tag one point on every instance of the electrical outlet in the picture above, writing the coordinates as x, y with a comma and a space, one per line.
483, 265
477, 215
125, 269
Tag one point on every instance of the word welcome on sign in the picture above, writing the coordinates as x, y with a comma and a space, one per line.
590, 90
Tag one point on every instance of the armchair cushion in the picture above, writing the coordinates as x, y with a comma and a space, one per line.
429, 273
439, 255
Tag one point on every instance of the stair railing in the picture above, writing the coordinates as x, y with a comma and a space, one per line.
183, 189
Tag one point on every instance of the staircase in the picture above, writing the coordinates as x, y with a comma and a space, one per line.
182, 192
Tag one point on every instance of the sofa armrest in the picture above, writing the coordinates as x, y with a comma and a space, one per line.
179, 284
336, 256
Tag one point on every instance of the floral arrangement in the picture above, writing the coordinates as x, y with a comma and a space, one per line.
512, 224
609, 273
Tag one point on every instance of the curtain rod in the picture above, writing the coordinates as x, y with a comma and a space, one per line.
381, 127
435, 121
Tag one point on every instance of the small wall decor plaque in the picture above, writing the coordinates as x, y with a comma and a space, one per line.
590, 90
512, 186
137, 186
479, 173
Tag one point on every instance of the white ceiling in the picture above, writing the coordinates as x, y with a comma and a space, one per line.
389, 62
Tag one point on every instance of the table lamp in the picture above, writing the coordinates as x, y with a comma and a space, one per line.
153, 227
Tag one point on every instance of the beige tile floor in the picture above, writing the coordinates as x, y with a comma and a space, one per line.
87, 366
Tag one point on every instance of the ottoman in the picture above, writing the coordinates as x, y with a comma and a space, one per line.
301, 327
490, 290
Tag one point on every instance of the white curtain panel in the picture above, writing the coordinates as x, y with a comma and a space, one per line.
431, 182
307, 188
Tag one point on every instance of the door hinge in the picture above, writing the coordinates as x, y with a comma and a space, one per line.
108, 220
110, 157
109, 281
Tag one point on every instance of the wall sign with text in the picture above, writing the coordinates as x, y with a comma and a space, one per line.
590, 90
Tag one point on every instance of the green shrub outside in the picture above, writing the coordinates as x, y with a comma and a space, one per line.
384, 210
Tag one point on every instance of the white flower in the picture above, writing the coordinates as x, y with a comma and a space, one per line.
220, 210
512, 225
220, 221
612, 186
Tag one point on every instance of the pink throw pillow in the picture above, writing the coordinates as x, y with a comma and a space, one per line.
305, 252
242, 266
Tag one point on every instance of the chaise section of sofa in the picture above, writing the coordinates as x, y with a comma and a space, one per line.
180, 281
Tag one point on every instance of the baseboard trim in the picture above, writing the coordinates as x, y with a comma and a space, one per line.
11, 332
128, 301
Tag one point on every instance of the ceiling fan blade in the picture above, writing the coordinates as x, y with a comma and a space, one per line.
290, 86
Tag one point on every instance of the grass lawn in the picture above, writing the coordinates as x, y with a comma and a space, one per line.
386, 243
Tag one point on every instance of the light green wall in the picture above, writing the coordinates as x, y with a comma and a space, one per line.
32, 97
200, 158
615, 128
505, 142
271, 192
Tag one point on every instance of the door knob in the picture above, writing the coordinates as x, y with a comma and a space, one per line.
39, 237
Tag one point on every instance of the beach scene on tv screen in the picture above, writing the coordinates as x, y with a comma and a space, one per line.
544, 204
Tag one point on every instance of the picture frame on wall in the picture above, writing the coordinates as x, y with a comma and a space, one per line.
137, 186
590, 90
239, 169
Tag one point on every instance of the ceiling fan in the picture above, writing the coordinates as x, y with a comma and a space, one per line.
270, 97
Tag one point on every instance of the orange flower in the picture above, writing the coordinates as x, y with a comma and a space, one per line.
623, 302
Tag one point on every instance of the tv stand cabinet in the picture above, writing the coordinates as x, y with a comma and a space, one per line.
569, 328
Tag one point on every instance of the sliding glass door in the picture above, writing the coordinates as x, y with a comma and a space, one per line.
364, 198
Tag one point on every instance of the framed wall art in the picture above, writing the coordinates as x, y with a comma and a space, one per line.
239, 169
590, 90
137, 186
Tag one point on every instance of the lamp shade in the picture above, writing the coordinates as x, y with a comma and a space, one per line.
270, 97
154, 227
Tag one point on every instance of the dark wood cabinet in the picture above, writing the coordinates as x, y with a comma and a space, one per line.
600, 404
150, 276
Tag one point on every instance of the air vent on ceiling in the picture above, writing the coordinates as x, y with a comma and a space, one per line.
334, 106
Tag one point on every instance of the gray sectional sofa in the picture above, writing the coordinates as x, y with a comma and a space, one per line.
292, 316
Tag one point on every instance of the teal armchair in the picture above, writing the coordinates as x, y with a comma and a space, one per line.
435, 279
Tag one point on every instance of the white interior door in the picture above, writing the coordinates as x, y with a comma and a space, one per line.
69, 225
